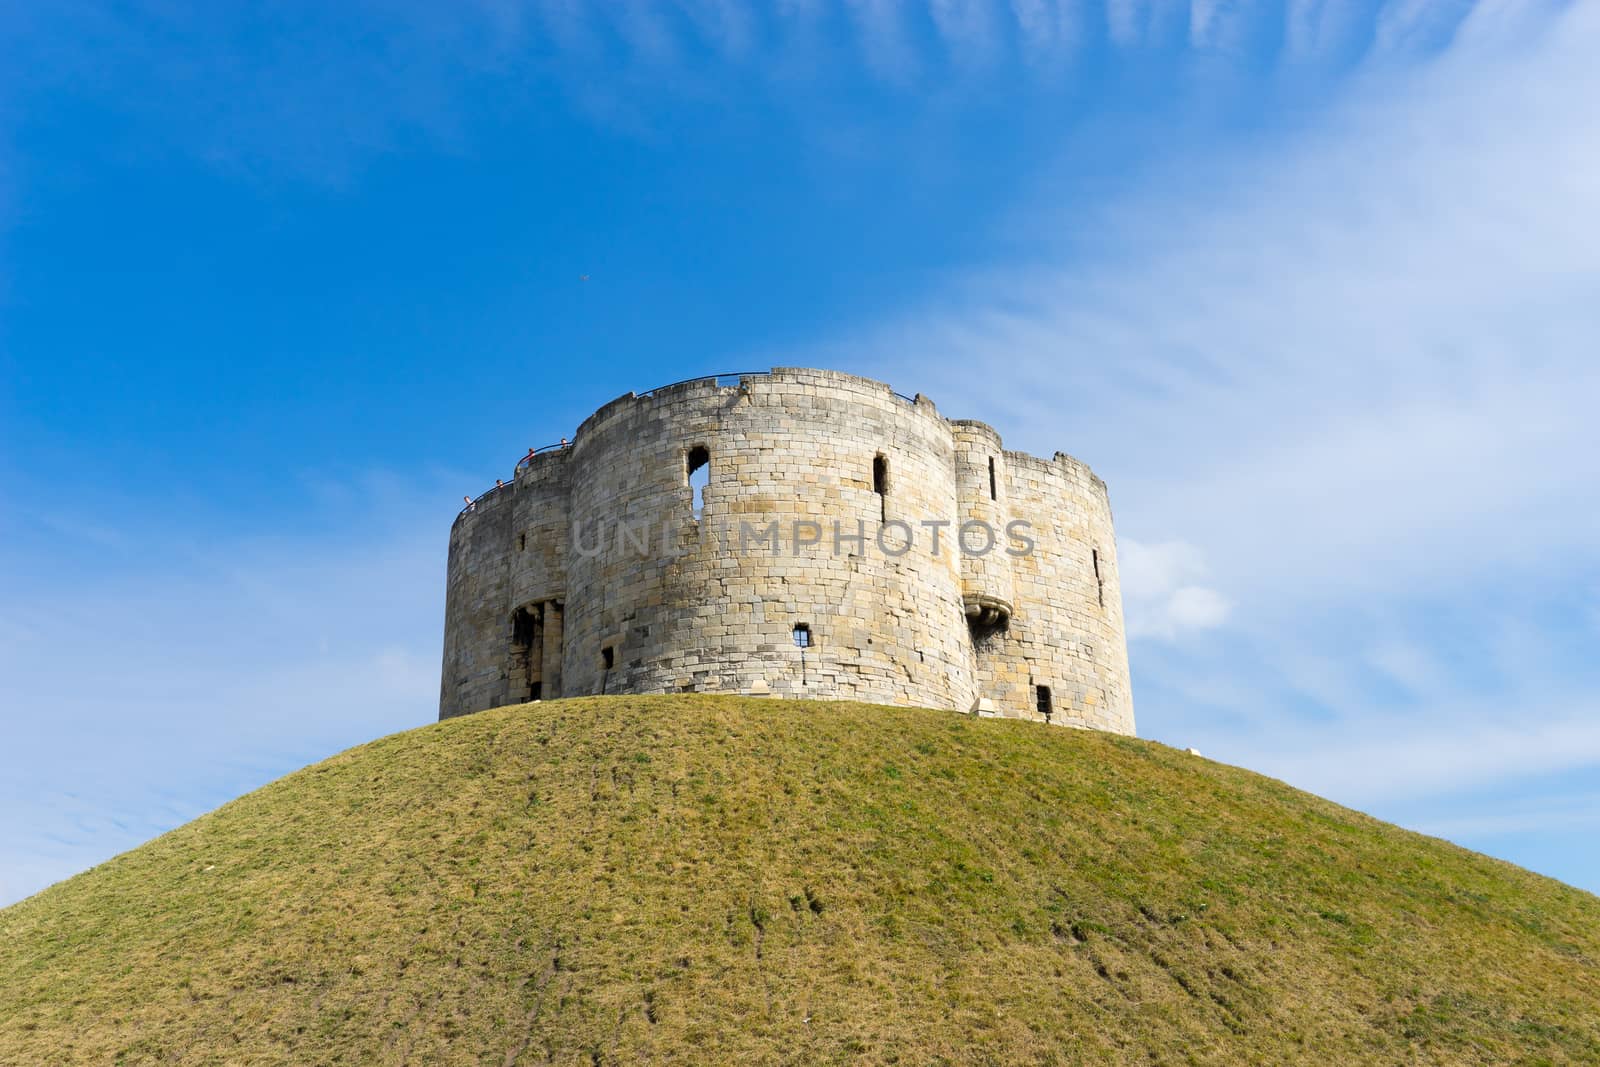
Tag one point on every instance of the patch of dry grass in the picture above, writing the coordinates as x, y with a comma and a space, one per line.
700, 879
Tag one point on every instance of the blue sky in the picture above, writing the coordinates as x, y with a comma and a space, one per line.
1312, 284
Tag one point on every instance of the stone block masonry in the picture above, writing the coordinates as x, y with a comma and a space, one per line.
797, 533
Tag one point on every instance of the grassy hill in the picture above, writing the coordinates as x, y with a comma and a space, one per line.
697, 879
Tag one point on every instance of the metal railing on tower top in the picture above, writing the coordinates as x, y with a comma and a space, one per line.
541, 450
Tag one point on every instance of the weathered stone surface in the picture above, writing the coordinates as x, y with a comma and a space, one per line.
833, 505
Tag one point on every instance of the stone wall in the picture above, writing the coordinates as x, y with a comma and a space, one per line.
592, 571
477, 613
1066, 632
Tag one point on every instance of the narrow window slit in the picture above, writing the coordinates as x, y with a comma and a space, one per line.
880, 485
993, 494
802, 641
1099, 580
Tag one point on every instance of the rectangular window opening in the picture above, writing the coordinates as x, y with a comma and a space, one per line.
993, 490
697, 473
527, 652
1042, 696
608, 658
802, 635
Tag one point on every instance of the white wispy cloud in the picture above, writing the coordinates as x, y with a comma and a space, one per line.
1125, 20
1048, 28
1343, 392
1579, 812
1164, 592
1351, 345
727, 25
148, 684
1407, 23
1219, 23
881, 36
968, 29
646, 30
350, 85
1373, 759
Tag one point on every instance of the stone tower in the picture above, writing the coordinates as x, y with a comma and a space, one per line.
797, 533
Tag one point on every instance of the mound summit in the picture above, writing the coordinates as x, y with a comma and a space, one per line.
703, 879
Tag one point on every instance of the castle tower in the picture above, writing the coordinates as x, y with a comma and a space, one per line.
798, 533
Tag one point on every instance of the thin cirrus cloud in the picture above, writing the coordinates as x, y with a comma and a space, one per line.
352, 84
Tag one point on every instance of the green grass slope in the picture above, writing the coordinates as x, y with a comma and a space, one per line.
721, 880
